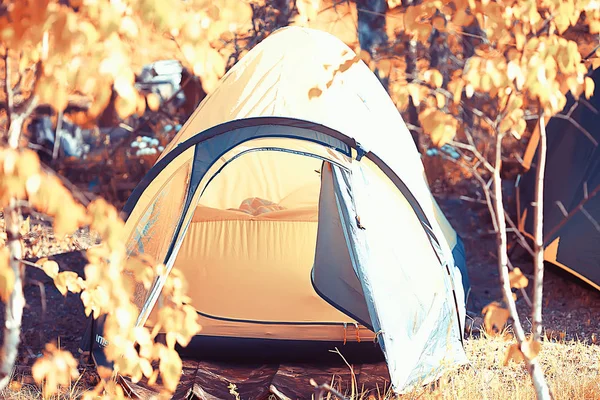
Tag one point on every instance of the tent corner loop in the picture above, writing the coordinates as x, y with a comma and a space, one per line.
360, 151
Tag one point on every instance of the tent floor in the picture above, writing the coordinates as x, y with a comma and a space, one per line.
243, 350
211, 380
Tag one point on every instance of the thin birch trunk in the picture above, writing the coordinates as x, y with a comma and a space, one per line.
537, 374
16, 300
538, 262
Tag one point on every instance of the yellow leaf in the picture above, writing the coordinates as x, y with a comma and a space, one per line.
414, 91
456, 87
28, 164
50, 268
308, 9
494, 316
170, 368
434, 77
125, 107
589, 87
51, 92
517, 279
68, 281
439, 23
56, 368
441, 100
153, 101
25, 227
513, 353
469, 91
441, 127
129, 27
384, 67
314, 92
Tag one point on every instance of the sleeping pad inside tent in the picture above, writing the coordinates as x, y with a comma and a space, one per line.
302, 223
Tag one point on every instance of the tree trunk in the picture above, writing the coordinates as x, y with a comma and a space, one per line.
371, 24
538, 223
16, 301
537, 375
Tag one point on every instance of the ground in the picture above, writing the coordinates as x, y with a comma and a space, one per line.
571, 307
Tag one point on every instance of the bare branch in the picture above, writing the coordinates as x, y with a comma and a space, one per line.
538, 220
485, 186
277, 393
579, 127
8, 92
473, 149
522, 290
320, 390
16, 301
537, 375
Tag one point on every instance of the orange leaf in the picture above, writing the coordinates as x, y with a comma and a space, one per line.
153, 101
314, 92
531, 348
28, 164
439, 23
415, 92
434, 77
589, 87
495, 316
513, 353
50, 268
125, 107
517, 279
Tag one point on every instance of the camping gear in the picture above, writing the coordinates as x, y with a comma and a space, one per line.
302, 220
571, 186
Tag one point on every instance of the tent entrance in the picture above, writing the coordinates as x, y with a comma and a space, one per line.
250, 247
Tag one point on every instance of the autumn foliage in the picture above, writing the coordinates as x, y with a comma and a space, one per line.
502, 59
467, 69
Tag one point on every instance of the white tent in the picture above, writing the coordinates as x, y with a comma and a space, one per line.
303, 220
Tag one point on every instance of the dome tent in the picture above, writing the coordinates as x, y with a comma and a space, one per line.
572, 182
303, 223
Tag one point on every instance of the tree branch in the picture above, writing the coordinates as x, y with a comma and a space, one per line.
16, 301
538, 261
320, 390
537, 375
9, 95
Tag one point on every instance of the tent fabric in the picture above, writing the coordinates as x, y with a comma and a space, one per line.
296, 216
333, 273
401, 278
572, 182
275, 78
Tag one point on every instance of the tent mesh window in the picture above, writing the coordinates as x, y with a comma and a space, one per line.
154, 232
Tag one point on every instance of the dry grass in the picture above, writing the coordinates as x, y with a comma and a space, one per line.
22, 388
572, 368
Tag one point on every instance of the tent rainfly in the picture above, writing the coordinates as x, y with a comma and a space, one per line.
303, 222
572, 183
